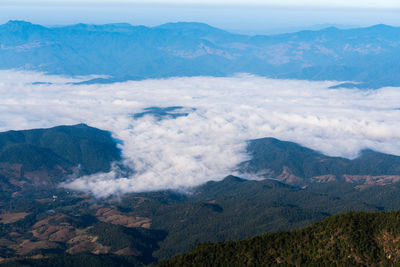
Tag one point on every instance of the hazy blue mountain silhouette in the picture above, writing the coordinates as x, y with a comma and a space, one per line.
125, 52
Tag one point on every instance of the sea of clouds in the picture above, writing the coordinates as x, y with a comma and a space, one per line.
208, 143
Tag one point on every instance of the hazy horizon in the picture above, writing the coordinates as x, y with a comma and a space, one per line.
254, 17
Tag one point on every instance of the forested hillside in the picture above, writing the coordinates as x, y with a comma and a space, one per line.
46, 225
351, 239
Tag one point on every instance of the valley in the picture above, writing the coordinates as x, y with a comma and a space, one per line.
42, 223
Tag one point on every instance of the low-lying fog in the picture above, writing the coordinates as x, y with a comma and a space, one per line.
202, 137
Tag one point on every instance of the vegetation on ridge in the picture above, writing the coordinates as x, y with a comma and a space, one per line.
350, 239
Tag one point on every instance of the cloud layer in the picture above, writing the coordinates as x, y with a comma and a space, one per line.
222, 113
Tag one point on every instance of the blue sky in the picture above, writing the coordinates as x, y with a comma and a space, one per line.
252, 16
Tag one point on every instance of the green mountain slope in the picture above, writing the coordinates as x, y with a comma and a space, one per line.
298, 165
351, 239
44, 157
141, 228
91, 148
235, 209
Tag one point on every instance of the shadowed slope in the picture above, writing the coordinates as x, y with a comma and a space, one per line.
351, 239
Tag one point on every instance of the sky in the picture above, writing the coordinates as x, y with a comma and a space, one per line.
210, 141
252, 16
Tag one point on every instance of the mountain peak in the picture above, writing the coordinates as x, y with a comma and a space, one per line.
110, 27
190, 26
331, 28
233, 179
185, 25
381, 26
16, 25
18, 22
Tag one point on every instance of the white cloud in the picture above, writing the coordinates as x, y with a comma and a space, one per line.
209, 142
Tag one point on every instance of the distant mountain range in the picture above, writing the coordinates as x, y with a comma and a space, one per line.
125, 52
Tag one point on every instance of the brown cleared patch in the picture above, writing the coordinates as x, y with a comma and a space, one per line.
16, 182
365, 181
289, 178
146, 225
9, 170
38, 256
16, 194
126, 251
63, 234
46, 176
27, 246
87, 243
54, 220
39, 178
60, 233
6, 243
44, 200
141, 200
56, 228
92, 247
14, 235
112, 215
82, 237
7, 218
324, 178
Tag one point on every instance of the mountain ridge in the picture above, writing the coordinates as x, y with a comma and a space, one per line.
297, 165
45, 157
122, 51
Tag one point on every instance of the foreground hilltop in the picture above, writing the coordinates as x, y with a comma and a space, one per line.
351, 239
125, 52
